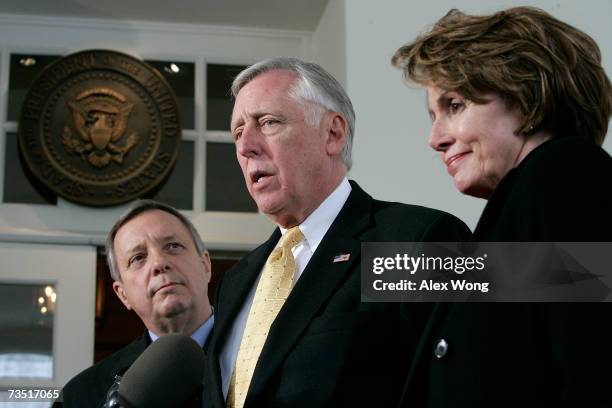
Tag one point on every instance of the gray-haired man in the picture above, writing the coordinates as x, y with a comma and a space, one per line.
309, 341
161, 270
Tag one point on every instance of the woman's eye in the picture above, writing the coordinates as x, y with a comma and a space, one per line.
455, 105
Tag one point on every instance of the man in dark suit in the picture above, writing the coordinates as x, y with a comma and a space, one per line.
161, 270
315, 343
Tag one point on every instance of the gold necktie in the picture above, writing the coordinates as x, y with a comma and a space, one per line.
274, 286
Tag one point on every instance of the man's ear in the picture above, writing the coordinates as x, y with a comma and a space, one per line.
336, 133
118, 288
207, 266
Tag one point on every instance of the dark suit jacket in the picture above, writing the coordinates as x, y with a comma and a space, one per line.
528, 354
89, 388
326, 347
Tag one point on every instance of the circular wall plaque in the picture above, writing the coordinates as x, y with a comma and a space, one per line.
100, 128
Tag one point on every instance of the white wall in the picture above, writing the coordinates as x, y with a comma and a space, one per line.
71, 223
392, 159
329, 40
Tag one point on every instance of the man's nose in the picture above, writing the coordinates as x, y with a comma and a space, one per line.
248, 144
160, 263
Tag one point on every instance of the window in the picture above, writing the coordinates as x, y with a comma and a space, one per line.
218, 95
24, 69
206, 166
181, 78
26, 343
225, 186
43, 300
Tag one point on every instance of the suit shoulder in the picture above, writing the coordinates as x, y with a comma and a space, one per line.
562, 191
111, 364
98, 378
394, 208
570, 172
408, 222
566, 157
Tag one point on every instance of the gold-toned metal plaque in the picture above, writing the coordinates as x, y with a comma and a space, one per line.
100, 128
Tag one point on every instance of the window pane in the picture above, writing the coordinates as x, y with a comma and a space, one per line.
24, 68
180, 76
218, 95
225, 188
26, 330
178, 190
18, 186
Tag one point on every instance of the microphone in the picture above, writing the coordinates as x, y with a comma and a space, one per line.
167, 374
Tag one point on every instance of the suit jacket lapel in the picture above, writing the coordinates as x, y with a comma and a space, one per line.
129, 355
236, 283
317, 283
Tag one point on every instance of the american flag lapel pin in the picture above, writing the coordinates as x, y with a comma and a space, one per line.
341, 258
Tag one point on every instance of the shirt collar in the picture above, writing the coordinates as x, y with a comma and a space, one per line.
318, 222
200, 335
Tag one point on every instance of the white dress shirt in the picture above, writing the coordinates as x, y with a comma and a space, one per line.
314, 229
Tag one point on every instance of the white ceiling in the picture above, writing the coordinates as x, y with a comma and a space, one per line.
280, 14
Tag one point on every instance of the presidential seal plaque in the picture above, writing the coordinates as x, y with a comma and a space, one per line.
100, 128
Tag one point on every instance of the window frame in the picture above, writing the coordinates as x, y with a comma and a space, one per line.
147, 40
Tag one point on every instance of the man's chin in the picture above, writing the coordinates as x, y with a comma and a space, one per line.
268, 206
171, 307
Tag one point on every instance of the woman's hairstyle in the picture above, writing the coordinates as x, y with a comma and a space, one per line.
544, 67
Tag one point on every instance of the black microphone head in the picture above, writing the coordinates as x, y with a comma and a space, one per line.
169, 371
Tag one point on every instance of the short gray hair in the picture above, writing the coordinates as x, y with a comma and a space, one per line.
137, 208
314, 85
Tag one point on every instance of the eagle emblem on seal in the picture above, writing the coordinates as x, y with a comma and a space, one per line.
100, 117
